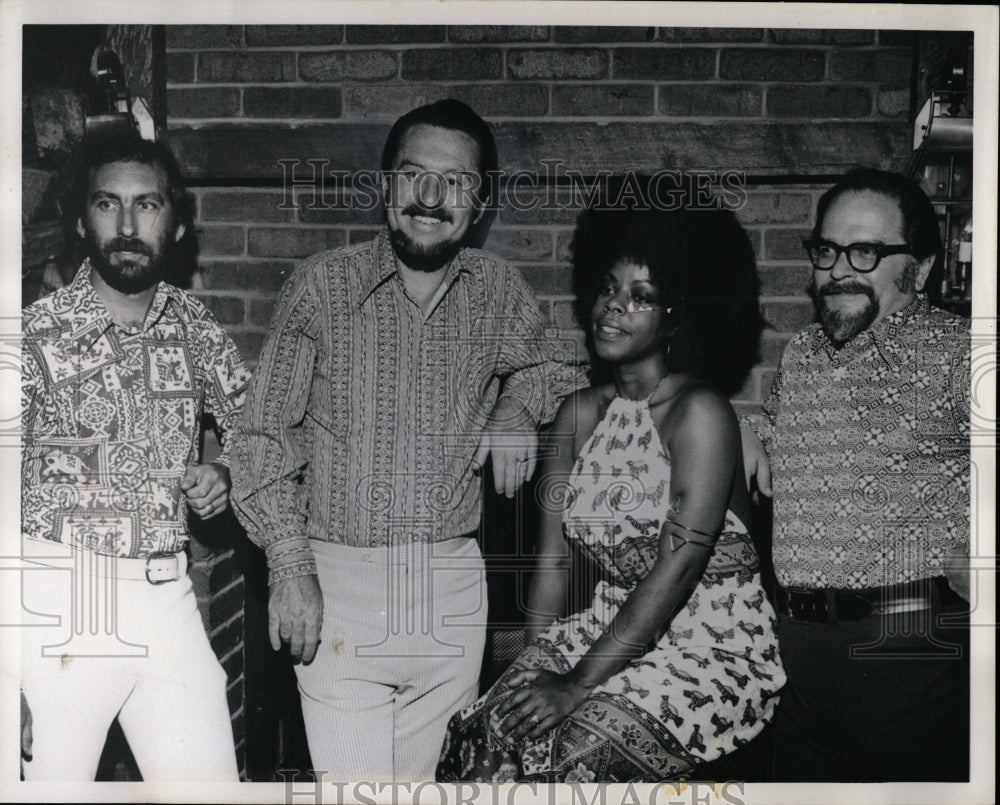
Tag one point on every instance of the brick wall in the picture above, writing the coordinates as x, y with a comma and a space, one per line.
779, 105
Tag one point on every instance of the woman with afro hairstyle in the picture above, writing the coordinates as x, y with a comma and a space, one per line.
674, 663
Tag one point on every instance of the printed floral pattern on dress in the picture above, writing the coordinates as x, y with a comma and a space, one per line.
707, 687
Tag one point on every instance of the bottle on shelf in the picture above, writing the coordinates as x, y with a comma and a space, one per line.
961, 280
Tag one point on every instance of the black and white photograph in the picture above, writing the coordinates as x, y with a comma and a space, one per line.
498, 401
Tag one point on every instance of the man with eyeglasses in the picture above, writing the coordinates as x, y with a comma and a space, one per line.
867, 434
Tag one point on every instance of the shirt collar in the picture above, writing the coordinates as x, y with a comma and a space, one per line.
383, 266
83, 285
883, 336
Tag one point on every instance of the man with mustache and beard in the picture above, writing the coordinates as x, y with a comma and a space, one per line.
118, 368
392, 370
867, 431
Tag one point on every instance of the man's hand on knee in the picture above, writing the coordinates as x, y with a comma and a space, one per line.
295, 615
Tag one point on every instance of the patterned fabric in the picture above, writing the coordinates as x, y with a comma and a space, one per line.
708, 685
112, 416
366, 414
869, 450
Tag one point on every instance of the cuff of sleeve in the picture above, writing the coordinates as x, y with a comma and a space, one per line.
757, 423
291, 571
288, 559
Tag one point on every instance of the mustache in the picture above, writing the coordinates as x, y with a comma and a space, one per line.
120, 244
841, 288
439, 213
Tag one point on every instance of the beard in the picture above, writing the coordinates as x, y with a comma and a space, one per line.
417, 256
125, 275
839, 326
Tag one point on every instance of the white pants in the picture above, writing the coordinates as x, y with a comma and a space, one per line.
400, 652
129, 649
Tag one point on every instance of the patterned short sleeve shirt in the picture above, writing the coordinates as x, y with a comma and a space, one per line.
111, 417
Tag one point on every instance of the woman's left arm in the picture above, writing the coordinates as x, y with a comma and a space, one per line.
702, 437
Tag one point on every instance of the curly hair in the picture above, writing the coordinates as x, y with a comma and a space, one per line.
701, 261
94, 153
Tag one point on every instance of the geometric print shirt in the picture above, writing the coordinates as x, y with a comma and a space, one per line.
869, 452
111, 417
365, 412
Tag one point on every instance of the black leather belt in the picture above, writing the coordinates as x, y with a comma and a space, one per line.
832, 605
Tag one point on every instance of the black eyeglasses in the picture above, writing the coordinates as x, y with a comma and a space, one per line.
862, 257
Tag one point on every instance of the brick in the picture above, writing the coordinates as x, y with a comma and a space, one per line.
786, 244
227, 309
774, 208
664, 63
770, 64
887, 66
180, 68
234, 663
389, 102
235, 694
584, 34
766, 380
749, 391
553, 280
227, 602
204, 102
819, 102
564, 238
822, 36
497, 33
221, 241
292, 243
362, 235
227, 635
709, 100
456, 64
261, 312
222, 568
503, 100
788, 317
394, 34
241, 205
783, 280
287, 35
239, 276
350, 65
563, 316
897, 38
521, 244
310, 102
250, 344
772, 345
556, 64
241, 67
204, 36
711, 34
893, 102
531, 202
583, 100
339, 210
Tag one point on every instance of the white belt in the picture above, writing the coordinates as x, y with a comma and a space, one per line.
157, 568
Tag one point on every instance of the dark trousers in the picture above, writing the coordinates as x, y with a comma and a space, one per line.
882, 699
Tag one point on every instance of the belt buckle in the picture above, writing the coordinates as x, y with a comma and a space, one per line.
806, 606
163, 555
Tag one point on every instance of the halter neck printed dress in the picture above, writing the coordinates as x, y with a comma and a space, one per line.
705, 688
